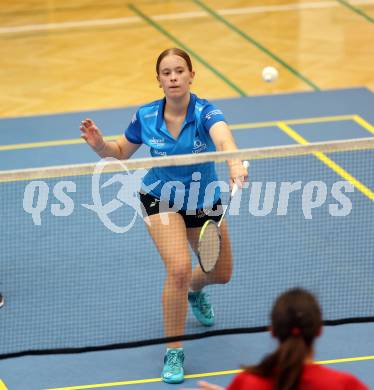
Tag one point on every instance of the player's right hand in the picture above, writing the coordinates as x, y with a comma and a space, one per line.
92, 135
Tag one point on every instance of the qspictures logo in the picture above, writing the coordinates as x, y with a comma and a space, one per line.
261, 198
37, 194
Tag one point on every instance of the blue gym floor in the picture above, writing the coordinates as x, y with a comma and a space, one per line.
54, 139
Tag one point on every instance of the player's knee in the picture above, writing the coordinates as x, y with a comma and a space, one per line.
181, 277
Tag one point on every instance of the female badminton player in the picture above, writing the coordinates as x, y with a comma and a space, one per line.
179, 123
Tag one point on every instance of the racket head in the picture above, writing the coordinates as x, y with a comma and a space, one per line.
209, 246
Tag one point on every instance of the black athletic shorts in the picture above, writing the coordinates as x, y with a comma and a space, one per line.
151, 206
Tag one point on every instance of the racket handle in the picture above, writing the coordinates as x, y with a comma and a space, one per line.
233, 192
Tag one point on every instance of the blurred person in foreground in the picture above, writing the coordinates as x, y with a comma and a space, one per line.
296, 321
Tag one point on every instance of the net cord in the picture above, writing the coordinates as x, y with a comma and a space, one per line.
187, 159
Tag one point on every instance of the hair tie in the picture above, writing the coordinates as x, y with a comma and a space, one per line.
295, 331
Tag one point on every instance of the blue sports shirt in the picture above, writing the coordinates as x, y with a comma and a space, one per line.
192, 186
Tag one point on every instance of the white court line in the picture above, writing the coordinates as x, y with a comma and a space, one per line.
184, 15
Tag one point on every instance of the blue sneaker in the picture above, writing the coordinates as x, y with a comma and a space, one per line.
201, 309
173, 366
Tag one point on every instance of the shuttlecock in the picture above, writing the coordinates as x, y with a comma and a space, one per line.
269, 74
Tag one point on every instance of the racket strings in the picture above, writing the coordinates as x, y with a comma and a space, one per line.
209, 246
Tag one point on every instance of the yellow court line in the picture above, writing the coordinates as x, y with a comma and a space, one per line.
194, 376
363, 123
46, 144
303, 121
2, 385
346, 360
103, 385
242, 126
327, 161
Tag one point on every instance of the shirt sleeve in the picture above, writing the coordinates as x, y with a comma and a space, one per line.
133, 131
211, 115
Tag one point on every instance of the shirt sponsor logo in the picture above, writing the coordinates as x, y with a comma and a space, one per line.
199, 146
151, 115
157, 141
159, 152
213, 113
